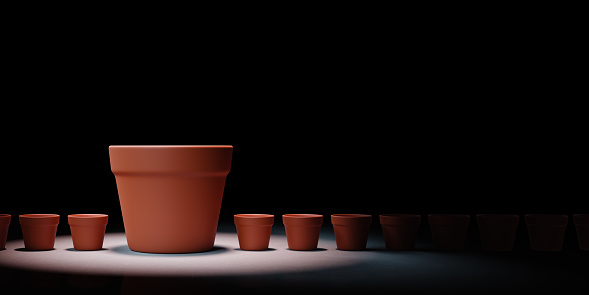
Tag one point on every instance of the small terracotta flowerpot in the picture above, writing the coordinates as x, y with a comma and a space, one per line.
546, 231
497, 231
4, 225
449, 231
302, 230
582, 226
351, 230
39, 230
400, 230
253, 230
170, 195
87, 230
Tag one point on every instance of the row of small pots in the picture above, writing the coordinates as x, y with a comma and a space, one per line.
546, 231
39, 230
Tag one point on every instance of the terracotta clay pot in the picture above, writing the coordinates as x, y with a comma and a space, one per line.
4, 225
87, 230
170, 195
497, 231
400, 230
39, 230
302, 230
351, 230
449, 231
582, 226
253, 230
546, 231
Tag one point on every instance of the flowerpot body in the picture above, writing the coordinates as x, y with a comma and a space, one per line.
351, 231
400, 230
170, 196
302, 230
39, 230
4, 225
497, 231
449, 231
253, 231
546, 231
87, 230
582, 227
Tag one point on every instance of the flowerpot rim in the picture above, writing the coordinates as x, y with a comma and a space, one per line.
297, 215
351, 219
39, 219
171, 146
505, 219
581, 218
449, 219
87, 219
5, 218
496, 215
253, 219
302, 219
399, 219
448, 215
351, 215
547, 219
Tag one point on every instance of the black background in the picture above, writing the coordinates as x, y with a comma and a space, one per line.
330, 110
373, 116
349, 153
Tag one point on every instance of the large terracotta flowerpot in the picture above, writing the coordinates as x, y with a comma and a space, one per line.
497, 231
302, 230
351, 230
546, 231
170, 195
253, 231
87, 230
449, 231
400, 230
4, 225
582, 226
39, 230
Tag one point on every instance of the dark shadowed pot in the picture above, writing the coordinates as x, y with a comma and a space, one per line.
39, 230
302, 230
546, 231
351, 230
449, 231
582, 227
400, 230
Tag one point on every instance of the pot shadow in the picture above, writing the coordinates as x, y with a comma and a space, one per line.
314, 250
29, 250
420, 250
74, 250
265, 250
124, 249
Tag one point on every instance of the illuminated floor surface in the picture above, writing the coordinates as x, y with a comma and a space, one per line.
323, 269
